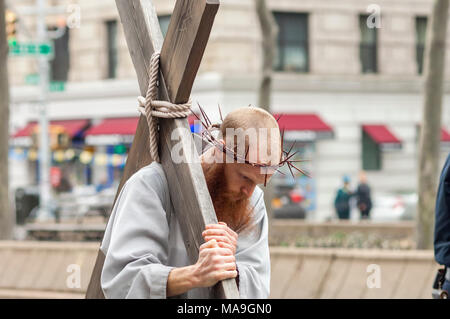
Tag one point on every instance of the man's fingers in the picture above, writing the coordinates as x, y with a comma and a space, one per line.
228, 259
212, 243
215, 231
226, 275
209, 244
224, 239
226, 245
223, 226
221, 251
229, 266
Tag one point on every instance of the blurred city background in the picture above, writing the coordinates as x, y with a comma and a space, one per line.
350, 97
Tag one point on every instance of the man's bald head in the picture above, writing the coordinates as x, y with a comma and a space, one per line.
256, 130
247, 117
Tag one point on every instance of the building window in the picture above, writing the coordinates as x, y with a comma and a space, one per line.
61, 62
164, 21
111, 29
421, 31
367, 46
371, 153
292, 53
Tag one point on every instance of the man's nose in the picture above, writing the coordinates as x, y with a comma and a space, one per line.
247, 190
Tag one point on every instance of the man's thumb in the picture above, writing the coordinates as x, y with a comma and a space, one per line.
212, 243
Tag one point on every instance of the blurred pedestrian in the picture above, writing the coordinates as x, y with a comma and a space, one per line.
65, 185
442, 224
342, 201
363, 197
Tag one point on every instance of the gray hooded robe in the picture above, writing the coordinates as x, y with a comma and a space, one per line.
143, 243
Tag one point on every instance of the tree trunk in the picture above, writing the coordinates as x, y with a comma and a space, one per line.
431, 123
269, 31
5, 214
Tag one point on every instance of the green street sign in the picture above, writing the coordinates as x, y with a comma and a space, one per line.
57, 86
53, 86
32, 79
30, 49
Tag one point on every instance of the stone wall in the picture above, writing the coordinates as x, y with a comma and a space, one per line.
287, 231
341, 274
44, 269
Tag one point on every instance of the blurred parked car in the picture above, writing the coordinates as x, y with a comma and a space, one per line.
26, 199
82, 201
393, 207
287, 202
86, 200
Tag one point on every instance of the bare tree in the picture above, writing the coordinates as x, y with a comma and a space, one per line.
5, 214
428, 168
269, 31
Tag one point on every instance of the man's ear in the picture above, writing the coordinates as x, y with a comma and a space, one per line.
219, 156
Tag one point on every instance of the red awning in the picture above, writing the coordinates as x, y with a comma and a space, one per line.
192, 119
71, 127
115, 126
302, 122
114, 131
445, 136
26, 131
303, 127
380, 134
120, 126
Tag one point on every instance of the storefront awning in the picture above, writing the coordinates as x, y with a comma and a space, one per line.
71, 127
445, 140
26, 131
115, 126
303, 127
381, 135
445, 136
112, 131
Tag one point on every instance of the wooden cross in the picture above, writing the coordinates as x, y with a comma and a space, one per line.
181, 54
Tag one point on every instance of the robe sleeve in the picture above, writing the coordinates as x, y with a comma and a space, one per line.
136, 245
252, 255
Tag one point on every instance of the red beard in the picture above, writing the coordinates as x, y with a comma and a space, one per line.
231, 208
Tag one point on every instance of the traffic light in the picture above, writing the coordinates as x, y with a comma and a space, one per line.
11, 25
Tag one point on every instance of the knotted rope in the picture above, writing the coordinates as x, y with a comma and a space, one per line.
152, 108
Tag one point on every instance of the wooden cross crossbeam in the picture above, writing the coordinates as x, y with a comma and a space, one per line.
181, 54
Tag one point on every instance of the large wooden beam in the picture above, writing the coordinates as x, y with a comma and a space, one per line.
181, 54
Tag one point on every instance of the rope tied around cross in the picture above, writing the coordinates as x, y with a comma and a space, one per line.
154, 109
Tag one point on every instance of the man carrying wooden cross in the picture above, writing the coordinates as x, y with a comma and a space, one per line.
143, 244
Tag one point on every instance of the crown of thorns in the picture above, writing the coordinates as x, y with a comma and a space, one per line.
285, 158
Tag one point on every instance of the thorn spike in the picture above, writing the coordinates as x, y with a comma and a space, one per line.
289, 165
220, 112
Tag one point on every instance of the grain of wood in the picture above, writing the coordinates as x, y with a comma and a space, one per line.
181, 54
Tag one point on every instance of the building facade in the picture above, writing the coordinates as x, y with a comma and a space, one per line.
356, 90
